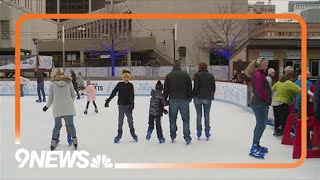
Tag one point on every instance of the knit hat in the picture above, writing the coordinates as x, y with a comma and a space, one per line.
271, 70
126, 73
88, 82
288, 69
159, 86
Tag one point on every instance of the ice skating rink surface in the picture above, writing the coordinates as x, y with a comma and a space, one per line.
231, 129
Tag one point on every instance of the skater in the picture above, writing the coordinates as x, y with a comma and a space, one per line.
156, 110
80, 81
285, 93
271, 78
40, 85
125, 104
203, 94
178, 87
299, 83
23, 81
316, 100
74, 82
260, 102
91, 96
61, 97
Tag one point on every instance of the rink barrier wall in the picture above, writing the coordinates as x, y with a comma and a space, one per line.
233, 93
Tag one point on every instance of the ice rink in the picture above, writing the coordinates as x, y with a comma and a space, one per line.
231, 129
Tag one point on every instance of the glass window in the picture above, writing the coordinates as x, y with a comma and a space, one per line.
217, 59
4, 31
315, 67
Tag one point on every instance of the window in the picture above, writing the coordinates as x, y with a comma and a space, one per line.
136, 63
216, 59
71, 57
294, 63
4, 31
315, 67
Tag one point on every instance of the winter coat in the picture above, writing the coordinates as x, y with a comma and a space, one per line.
204, 85
285, 92
125, 93
40, 76
74, 80
91, 92
298, 98
61, 96
177, 85
157, 103
24, 80
260, 88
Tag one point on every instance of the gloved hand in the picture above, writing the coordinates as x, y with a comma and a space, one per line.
165, 111
106, 104
131, 107
45, 109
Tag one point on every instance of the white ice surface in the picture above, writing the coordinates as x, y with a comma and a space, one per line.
232, 131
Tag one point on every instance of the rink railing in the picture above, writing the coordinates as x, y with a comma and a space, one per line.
233, 93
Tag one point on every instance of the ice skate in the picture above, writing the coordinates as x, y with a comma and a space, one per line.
199, 133
188, 140
117, 139
86, 111
53, 145
263, 149
96, 110
149, 133
208, 135
135, 137
162, 140
255, 152
75, 143
69, 139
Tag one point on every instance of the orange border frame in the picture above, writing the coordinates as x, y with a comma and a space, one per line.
186, 17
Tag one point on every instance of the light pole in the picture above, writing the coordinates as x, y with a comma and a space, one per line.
63, 50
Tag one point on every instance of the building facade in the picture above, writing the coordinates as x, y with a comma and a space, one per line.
73, 6
303, 5
280, 43
311, 15
10, 11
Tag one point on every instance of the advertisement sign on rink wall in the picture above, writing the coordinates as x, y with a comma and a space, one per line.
236, 93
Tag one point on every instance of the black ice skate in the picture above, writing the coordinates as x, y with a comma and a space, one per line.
96, 110
53, 145
75, 143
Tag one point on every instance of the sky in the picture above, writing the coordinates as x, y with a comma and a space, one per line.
281, 5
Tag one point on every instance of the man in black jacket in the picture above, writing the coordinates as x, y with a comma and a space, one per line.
178, 87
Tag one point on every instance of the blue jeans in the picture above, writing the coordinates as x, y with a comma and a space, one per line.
206, 104
124, 110
69, 125
181, 105
21, 90
40, 88
261, 114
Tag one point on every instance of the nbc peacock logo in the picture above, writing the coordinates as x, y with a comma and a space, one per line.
101, 161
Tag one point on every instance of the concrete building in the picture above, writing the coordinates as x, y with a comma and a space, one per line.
154, 37
10, 11
311, 15
280, 43
260, 8
303, 5
73, 6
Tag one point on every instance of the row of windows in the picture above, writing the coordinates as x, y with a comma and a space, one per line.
304, 6
28, 4
98, 28
292, 34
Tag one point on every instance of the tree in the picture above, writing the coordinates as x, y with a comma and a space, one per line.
223, 36
112, 43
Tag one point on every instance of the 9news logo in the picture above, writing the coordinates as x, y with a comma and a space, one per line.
61, 159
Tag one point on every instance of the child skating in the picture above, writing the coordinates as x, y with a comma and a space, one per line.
125, 104
90, 91
156, 110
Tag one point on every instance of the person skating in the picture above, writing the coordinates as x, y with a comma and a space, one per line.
23, 82
178, 87
40, 85
75, 83
203, 94
90, 91
61, 97
260, 102
156, 110
125, 92
285, 93
271, 78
